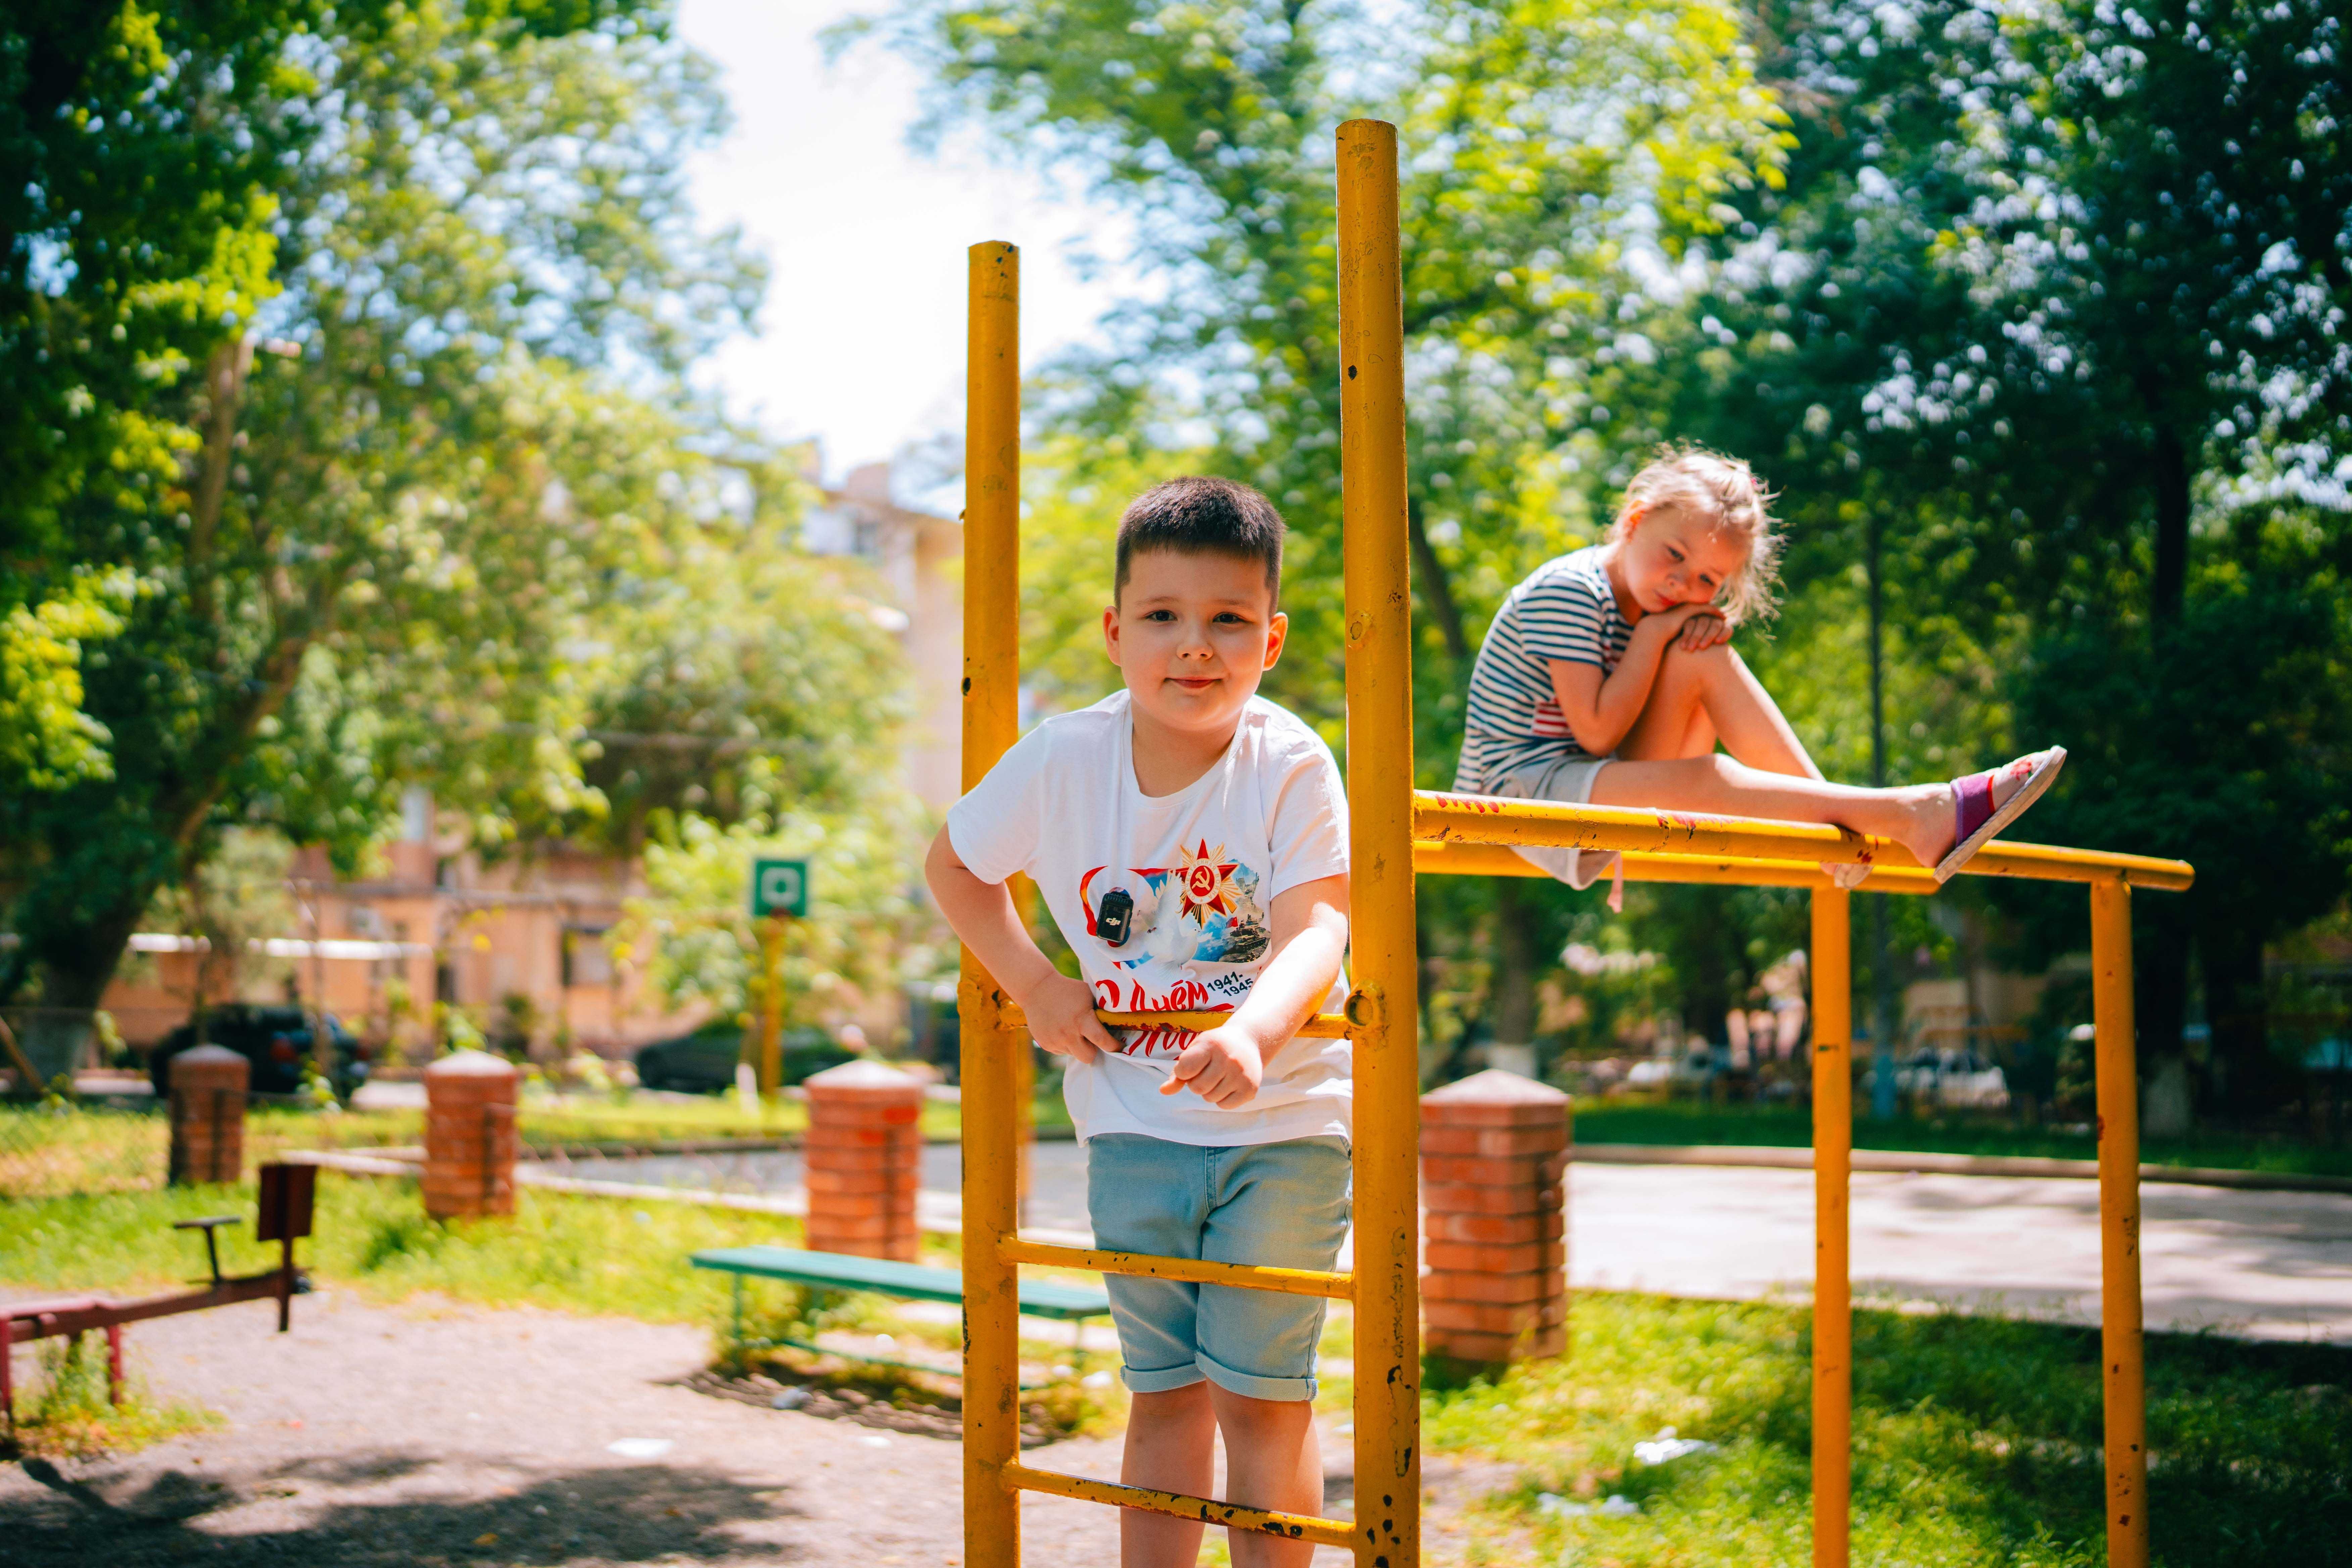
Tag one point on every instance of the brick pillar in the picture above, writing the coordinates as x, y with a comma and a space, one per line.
1494, 1155
865, 1159
208, 1087
469, 1135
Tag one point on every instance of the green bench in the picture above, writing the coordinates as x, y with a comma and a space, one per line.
831, 1272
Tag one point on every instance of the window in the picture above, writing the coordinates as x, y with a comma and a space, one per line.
587, 959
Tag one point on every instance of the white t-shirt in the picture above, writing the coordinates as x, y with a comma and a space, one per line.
1198, 869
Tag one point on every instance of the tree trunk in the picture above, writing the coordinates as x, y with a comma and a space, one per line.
2160, 975
2169, 587
2160, 1001
1883, 1018
1437, 590
1517, 959
2245, 1080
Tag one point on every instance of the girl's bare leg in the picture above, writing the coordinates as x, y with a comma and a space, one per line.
1700, 698
1668, 760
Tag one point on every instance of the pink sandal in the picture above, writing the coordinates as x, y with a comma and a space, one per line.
1975, 817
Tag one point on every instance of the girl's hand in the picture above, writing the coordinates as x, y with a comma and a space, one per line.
1223, 1066
1703, 628
1061, 1013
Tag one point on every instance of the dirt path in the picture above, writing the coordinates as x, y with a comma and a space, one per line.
383, 1437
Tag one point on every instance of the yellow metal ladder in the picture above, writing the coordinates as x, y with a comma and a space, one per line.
1395, 833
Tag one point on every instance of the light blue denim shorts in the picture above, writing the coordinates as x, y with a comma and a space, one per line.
1281, 1206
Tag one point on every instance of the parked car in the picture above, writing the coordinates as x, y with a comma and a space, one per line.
274, 1039
704, 1061
1955, 1079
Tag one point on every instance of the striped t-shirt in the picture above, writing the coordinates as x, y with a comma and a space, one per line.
1565, 610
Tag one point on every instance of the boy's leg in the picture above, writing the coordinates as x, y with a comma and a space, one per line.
1272, 1461
1284, 1205
1148, 1196
1171, 1448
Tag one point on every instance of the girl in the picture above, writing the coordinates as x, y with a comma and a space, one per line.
1608, 678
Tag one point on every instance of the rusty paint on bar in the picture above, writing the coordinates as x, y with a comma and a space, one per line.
1456, 858
1208, 1511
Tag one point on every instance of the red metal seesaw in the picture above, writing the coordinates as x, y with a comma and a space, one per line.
286, 1196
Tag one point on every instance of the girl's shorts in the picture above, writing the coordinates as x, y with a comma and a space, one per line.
1568, 780
1280, 1206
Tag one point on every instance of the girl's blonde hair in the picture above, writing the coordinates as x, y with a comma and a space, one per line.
1725, 492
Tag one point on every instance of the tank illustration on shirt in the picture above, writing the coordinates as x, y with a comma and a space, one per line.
1200, 918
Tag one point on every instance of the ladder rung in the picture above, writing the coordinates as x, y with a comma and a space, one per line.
1232, 1516
1191, 1270
1322, 1027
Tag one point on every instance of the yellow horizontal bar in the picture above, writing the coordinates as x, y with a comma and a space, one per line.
1191, 1271
1459, 859
1322, 1027
1232, 1516
1487, 819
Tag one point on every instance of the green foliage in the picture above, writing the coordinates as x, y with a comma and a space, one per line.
1975, 1441
46, 742
328, 482
1544, 145
733, 670
866, 928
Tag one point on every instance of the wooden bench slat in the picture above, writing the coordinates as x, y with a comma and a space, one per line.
911, 1281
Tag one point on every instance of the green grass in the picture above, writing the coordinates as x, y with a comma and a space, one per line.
97, 1149
1780, 1127
570, 1253
67, 1413
1976, 1442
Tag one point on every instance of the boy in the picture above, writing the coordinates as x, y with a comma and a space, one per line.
1191, 840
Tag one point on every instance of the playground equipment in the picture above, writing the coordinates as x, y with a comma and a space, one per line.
1397, 833
287, 1193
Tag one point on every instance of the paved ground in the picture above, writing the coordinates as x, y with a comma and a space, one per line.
373, 1437
2263, 1265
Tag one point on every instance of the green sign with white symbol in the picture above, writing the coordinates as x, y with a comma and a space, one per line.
780, 888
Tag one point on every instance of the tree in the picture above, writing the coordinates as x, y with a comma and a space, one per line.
731, 670
2042, 289
442, 406
1557, 154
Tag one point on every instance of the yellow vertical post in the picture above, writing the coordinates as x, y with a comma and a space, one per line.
1384, 1007
2120, 1342
771, 1006
1833, 970
991, 660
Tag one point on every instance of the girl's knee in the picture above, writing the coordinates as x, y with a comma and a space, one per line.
1703, 665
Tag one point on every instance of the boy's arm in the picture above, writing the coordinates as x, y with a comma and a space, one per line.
1225, 1064
1601, 709
1060, 1010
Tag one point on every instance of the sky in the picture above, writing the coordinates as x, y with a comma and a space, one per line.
861, 341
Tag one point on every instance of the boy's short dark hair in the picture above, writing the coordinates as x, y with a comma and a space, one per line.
1201, 515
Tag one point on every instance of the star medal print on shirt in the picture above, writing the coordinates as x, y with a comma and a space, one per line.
1204, 910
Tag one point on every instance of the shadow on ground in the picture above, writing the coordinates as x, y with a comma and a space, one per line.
632, 1514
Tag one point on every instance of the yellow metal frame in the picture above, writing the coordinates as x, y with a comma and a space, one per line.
1397, 833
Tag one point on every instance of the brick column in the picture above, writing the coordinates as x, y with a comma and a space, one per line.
865, 1159
1493, 1155
469, 1135
208, 1087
